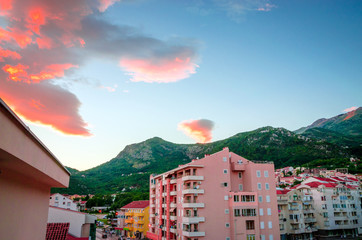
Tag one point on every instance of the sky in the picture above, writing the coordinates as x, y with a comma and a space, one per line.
92, 76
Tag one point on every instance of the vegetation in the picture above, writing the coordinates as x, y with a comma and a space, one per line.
129, 171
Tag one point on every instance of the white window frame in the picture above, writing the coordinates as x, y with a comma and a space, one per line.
266, 174
271, 237
224, 159
268, 211
262, 225
270, 225
260, 198
226, 211
226, 198
241, 187
227, 225
225, 171
267, 186
261, 212
259, 186
258, 173
267, 198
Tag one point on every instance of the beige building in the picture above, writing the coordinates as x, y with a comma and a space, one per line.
27, 172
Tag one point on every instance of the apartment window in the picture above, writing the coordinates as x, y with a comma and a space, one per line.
237, 212
224, 184
240, 187
266, 174
268, 211
240, 175
261, 225
226, 211
224, 159
324, 206
63, 203
227, 238
250, 237
259, 186
227, 225
68, 204
236, 198
226, 198
248, 212
271, 237
262, 237
56, 198
270, 224
261, 212
225, 171
260, 198
267, 198
248, 198
258, 174
250, 224
325, 214
323, 198
267, 186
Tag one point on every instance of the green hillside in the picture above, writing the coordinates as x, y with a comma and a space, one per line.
131, 168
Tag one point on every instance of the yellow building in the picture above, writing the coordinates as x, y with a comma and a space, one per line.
136, 215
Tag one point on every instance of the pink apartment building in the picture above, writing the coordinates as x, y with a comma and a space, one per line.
222, 196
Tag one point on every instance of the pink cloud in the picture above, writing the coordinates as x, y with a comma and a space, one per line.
199, 130
104, 4
349, 109
158, 70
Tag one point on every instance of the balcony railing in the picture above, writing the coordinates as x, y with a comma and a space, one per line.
187, 233
129, 214
190, 219
193, 178
193, 191
193, 205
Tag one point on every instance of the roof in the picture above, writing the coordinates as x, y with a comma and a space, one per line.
280, 192
317, 184
137, 204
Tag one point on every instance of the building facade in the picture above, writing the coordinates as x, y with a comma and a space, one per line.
221, 196
133, 219
58, 200
28, 170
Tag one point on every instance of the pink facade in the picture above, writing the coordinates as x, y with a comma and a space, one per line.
221, 196
27, 172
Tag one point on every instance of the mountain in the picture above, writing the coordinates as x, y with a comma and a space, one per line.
349, 124
131, 168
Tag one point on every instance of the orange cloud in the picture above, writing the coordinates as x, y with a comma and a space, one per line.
18, 73
5, 5
200, 130
46, 104
5, 53
159, 70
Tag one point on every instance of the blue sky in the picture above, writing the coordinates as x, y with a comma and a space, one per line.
256, 63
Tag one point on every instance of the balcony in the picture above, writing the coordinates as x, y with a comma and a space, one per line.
139, 214
140, 222
236, 167
310, 220
173, 205
308, 210
193, 191
193, 234
173, 193
129, 228
173, 218
152, 205
152, 195
152, 215
190, 220
153, 186
193, 205
193, 178
128, 220
173, 230
173, 181
129, 214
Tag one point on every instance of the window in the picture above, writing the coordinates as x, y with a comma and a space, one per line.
271, 237
323, 198
248, 198
237, 212
267, 198
250, 225
227, 225
248, 212
259, 186
324, 206
225, 171
268, 211
240, 175
261, 225
240, 187
68, 204
267, 186
266, 174
226, 198
250, 237
224, 159
260, 198
224, 184
270, 224
325, 214
236, 198
261, 212
227, 238
226, 211
262, 237
258, 174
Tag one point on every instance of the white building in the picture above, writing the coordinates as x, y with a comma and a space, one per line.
80, 224
58, 200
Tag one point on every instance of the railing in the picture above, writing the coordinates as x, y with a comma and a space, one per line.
263, 162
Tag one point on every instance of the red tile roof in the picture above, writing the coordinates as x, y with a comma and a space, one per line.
137, 204
285, 191
57, 231
317, 184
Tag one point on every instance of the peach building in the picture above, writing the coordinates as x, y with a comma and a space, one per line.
222, 196
27, 172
